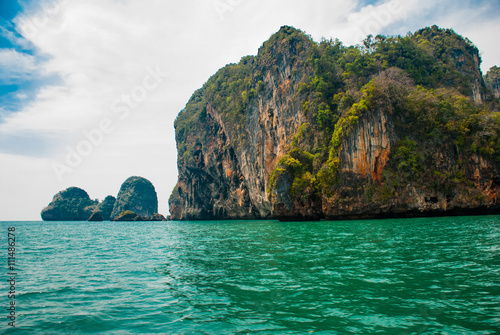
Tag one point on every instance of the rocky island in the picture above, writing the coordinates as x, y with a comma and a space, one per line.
396, 127
71, 204
136, 201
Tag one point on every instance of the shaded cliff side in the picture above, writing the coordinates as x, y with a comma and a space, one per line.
304, 130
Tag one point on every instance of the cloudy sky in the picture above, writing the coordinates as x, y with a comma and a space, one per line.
89, 89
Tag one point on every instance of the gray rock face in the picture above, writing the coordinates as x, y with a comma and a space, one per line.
492, 80
72, 204
105, 208
138, 195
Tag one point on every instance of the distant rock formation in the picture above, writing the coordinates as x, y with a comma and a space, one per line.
137, 195
105, 208
136, 201
72, 204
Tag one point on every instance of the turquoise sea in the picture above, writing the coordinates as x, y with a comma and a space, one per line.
401, 276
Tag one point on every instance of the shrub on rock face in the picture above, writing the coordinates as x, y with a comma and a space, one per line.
72, 204
128, 216
131, 216
138, 195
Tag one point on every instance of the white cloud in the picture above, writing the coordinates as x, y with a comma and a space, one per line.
13, 38
489, 50
465, 21
15, 66
373, 19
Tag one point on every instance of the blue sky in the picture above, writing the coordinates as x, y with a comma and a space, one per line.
68, 66
9, 10
17, 85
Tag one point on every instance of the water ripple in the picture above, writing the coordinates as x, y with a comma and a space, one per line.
414, 276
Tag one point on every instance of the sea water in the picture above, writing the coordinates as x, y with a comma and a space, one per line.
400, 276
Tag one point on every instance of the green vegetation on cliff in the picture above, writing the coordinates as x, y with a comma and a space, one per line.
421, 96
426, 80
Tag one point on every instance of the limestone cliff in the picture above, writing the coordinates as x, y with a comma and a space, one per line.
309, 130
390, 168
226, 158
